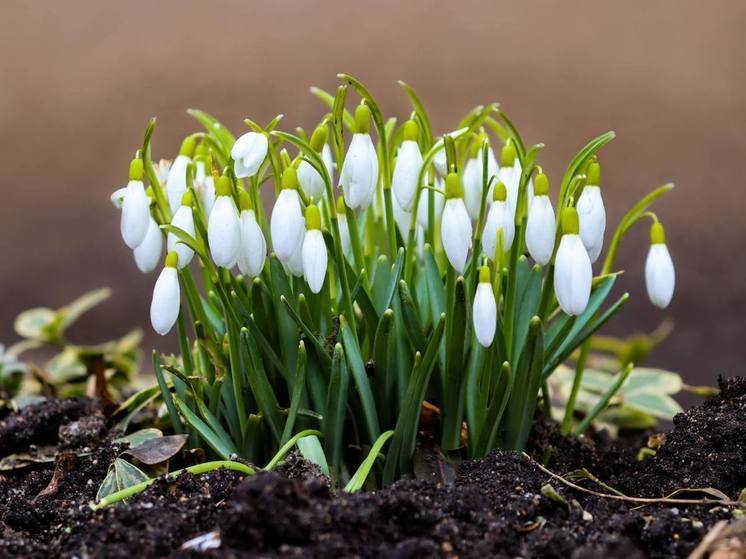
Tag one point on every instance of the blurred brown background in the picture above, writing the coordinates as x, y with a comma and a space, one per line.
80, 79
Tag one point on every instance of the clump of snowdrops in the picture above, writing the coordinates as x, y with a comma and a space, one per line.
393, 271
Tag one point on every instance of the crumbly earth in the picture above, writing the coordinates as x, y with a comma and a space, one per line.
499, 506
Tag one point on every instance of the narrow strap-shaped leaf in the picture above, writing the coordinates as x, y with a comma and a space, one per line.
336, 404
217, 129
358, 479
223, 448
411, 320
452, 412
167, 396
215, 425
298, 390
315, 342
260, 386
488, 433
287, 447
311, 449
384, 380
528, 305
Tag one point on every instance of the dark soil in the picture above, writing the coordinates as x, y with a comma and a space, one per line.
496, 507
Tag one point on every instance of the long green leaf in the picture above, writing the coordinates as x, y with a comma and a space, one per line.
358, 479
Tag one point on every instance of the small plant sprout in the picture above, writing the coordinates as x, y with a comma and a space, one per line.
357, 303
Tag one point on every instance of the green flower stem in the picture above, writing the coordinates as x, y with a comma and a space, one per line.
390, 224
576, 382
199, 469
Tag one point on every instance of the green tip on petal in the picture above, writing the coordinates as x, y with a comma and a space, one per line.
313, 217
541, 185
341, 207
507, 157
318, 138
570, 222
484, 274
223, 187
290, 178
500, 193
411, 130
172, 260
594, 174
453, 186
657, 234
187, 199
201, 152
188, 146
244, 201
362, 119
136, 170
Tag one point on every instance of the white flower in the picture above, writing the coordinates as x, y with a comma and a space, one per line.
164, 309
422, 206
402, 217
248, 153
314, 250
408, 166
572, 268
162, 169
287, 225
204, 184
359, 175
294, 264
440, 162
310, 180
118, 196
344, 231
485, 309
184, 220
541, 227
223, 227
455, 226
660, 276
328, 159
474, 180
253, 249
148, 252
176, 182
135, 214
499, 218
592, 214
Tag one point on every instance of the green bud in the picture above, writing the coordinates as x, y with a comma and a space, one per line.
484, 274
318, 138
507, 156
570, 223
290, 178
362, 119
223, 187
411, 130
341, 207
500, 193
187, 199
453, 186
136, 170
541, 185
244, 201
172, 260
188, 146
313, 217
593, 176
657, 234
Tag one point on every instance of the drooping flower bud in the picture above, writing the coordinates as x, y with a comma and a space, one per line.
438, 204
314, 250
176, 182
592, 213
344, 231
474, 178
572, 267
660, 276
184, 220
164, 308
508, 176
148, 252
223, 227
485, 309
248, 153
541, 227
455, 228
135, 208
309, 178
287, 225
204, 183
499, 218
253, 250
408, 166
359, 175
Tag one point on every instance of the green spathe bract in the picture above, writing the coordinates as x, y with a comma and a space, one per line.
264, 360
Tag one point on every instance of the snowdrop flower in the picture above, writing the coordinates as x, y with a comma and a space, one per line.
499, 218
440, 162
508, 175
176, 182
408, 166
248, 153
592, 213
164, 309
422, 206
148, 252
223, 227
328, 160
541, 227
162, 169
344, 231
314, 250
485, 309
660, 277
117, 197
253, 250
359, 175
402, 217
474, 178
294, 264
287, 225
184, 220
204, 184
135, 208
455, 226
309, 178
572, 267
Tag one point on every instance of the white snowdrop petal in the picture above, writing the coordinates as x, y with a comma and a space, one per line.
117, 197
294, 264
344, 234
456, 233
314, 260
206, 190
164, 308
148, 252
287, 225
224, 232
572, 275
422, 207
135, 214
184, 220
176, 184
592, 218
253, 251
485, 314
248, 153
660, 275
359, 175
402, 218
541, 230
440, 162
406, 173
328, 160
310, 180
472, 179
499, 217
